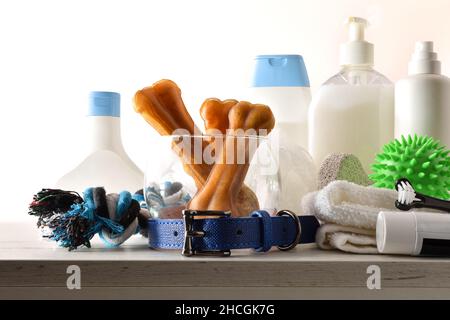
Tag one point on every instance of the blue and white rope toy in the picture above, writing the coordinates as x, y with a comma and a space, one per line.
72, 221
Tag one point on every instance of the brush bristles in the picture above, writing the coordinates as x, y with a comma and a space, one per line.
406, 193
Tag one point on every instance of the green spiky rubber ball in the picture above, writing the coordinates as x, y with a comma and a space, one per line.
420, 159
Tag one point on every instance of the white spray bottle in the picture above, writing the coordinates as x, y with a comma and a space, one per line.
422, 100
107, 163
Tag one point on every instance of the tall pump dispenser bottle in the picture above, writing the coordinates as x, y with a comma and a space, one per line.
106, 164
353, 111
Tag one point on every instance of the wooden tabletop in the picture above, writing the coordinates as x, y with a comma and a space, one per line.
31, 267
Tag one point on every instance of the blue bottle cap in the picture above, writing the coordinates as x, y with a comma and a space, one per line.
280, 71
104, 103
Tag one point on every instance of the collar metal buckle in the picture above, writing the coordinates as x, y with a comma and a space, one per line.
190, 233
298, 229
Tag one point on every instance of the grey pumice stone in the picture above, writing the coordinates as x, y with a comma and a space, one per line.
342, 166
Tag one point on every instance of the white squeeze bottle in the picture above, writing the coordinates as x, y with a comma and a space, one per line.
282, 83
353, 111
422, 100
106, 165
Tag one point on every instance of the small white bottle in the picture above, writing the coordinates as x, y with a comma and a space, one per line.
422, 100
107, 164
353, 111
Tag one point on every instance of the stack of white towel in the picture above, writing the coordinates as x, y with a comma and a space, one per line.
349, 213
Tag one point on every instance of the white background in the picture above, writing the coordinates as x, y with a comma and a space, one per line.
52, 53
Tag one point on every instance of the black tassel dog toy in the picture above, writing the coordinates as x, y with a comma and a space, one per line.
70, 220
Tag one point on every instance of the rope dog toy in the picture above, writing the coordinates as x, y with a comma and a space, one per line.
72, 220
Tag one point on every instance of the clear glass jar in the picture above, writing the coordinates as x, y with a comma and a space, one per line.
217, 166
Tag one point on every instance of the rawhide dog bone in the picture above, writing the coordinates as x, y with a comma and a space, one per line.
163, 108
214, 113
227, 176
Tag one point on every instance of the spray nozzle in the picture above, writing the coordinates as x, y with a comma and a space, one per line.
356, 51
424, 46
424, 59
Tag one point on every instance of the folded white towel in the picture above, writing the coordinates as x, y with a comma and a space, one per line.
348, 239
349, 212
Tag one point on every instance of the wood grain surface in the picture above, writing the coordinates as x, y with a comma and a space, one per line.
31, 267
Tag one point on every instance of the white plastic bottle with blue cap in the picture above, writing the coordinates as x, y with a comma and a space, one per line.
107, 163
353, 111
282, 83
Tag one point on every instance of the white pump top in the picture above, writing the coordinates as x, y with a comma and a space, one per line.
424, 60
356, 51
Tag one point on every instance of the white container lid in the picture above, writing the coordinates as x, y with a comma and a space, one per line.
396, 232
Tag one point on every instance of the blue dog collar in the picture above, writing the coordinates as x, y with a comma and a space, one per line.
222, 233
